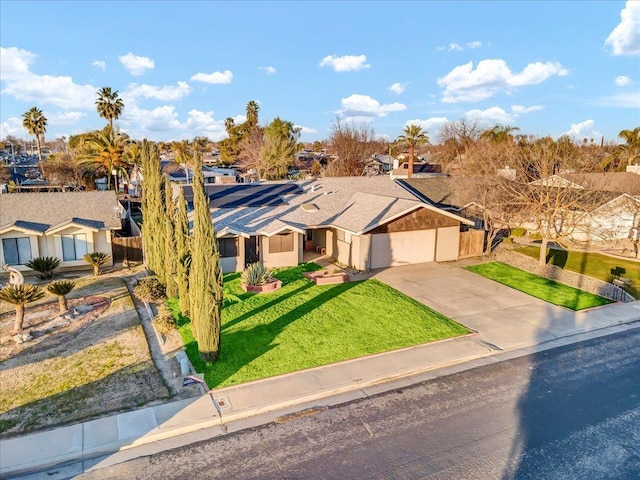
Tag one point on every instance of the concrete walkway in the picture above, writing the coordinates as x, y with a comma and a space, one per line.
507, 323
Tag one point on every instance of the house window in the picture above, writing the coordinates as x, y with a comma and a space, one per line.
74, 247
17, 251
228, 247
283, 242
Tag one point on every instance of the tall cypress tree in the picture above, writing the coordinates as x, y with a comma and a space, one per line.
170, 252
183, 249
205, 277
153, 210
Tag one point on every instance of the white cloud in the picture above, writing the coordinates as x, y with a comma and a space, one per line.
454, 46
346, 63
625, 38
624, 81
475, 44
167, 93
364, 106
428, 124
306, 130
491, 116
581, 130
101, 64
160, 119
382, 137
213, 78
26, 86
203, 124
466, 84
268, 70
520, 109
64, 118
12, 126
135, 64
398, 88
621, 100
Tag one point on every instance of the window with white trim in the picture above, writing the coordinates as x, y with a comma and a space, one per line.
17, 251
74, 246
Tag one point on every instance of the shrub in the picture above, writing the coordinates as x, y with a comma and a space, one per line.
255, 274
535, 236
61, 288
518, 232
164, 321
44, 265
150, 290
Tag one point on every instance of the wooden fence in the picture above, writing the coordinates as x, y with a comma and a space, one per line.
127, 249
471, 243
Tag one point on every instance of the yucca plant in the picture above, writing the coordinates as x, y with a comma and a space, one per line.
255, 274
96, 260
61, 288
44, 265
20, 295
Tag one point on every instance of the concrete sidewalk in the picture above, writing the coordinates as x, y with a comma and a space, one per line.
506, 325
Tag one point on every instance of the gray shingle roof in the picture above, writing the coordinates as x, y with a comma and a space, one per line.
356, 204
37, 210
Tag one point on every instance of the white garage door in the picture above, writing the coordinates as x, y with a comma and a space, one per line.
401, 248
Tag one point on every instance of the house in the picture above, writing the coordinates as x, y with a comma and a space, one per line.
179, 174
65, 225
420, 169
362, 222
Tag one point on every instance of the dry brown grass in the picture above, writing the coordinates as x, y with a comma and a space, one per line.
97, 363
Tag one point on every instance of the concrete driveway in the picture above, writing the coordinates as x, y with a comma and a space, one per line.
503, 317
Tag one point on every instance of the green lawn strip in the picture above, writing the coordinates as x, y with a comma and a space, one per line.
304, 325
591, 264
543, 288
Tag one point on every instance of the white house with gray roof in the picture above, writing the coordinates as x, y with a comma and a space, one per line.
65, 225
363, 222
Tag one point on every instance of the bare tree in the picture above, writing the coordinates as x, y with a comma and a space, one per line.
352, 145
456, 139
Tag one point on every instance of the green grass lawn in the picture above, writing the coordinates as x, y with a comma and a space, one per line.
592, 264
304, 325
548, 290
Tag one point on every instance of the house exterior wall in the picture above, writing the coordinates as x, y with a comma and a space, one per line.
33, 240
234, 264
422, 219
282, 259
447, 244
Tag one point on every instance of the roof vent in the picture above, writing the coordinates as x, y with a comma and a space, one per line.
329, 192
309, 207
314, 187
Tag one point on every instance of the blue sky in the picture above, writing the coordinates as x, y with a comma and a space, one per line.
181, 68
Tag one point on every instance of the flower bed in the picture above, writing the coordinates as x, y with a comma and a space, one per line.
265, 288
322, 277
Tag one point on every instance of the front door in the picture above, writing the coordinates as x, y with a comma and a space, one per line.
251, 250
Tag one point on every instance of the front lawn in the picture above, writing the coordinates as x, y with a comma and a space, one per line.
303, 325
592, 264
543, 288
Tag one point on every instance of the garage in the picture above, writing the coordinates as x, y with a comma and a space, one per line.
401, 248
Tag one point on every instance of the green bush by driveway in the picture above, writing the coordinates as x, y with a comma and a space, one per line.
548, 290
304, 325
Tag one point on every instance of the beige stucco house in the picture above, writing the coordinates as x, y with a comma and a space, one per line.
65, 225
363, 222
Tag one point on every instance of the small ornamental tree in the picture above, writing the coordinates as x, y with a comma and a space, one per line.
20, 295
97, 260
205, 277
61, 288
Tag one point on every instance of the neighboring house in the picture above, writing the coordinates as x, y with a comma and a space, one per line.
363, 222
378, 164
181, 174
65, 225
419, 170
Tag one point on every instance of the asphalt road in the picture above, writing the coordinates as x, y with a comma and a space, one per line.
572, 412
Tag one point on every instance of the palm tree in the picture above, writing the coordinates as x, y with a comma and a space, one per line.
20, 295
252, 114
626, 153
499, 134
61, 288
412, 136
36, 124
96, 260
105, 153
182, 155
109, 105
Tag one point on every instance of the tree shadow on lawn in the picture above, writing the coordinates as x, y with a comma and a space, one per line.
241, 348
